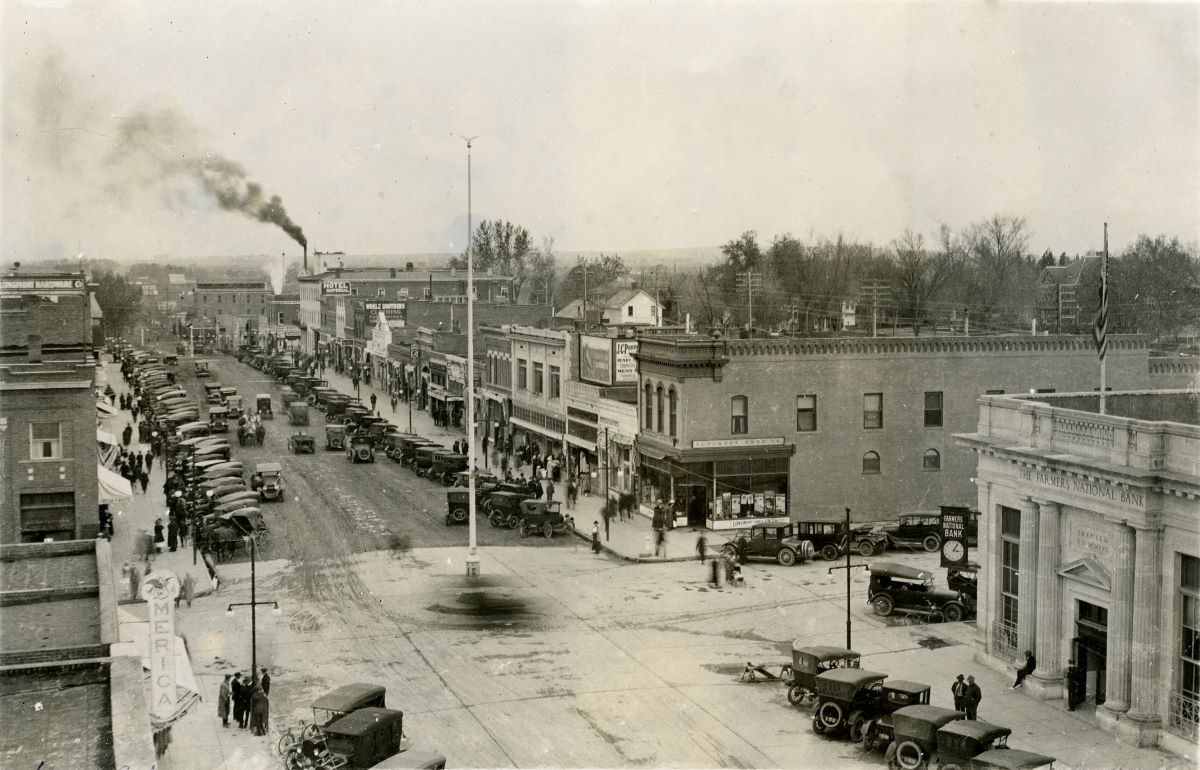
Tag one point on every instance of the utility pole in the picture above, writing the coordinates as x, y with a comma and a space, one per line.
848, 566
748, 279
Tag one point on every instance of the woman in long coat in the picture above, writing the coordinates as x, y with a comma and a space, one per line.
223, 702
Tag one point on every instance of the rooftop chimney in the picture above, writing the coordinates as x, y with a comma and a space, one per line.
408, 267
392, 272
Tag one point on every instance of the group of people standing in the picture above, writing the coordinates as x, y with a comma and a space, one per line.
247, 701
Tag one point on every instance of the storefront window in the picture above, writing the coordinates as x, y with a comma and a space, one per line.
1185, 702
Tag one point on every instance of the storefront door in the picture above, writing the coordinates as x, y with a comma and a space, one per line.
1090, 650
695, 503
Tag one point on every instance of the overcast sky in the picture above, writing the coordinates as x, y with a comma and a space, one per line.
606, 125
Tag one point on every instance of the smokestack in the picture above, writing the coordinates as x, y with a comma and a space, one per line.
306, 259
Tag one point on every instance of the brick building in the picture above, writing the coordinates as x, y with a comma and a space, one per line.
737, 430
1089, 551
235, 306
1068, 295
541, 363
48, 453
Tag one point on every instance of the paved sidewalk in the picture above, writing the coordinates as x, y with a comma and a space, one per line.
137, 514
630, 538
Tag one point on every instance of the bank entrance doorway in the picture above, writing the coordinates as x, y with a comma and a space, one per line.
1089, 649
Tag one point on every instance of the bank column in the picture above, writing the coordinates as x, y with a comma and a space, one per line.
1027, 587
1140, 725
1120, 627
986, 544
1047, 677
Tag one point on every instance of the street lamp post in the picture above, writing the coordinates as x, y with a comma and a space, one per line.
253, 605
472, 554
848, 566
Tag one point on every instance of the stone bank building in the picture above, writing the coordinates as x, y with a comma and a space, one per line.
1090, 552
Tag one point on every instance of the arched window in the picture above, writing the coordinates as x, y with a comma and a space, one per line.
739, 415
672, 407
648, 423
932, 461
658, 405
870, 463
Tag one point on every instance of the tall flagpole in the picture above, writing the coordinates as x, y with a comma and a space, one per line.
1101, 331
469, 390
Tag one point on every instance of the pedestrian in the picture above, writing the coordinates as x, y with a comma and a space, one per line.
223, 697
572, 492
135, 581
373, 399
158, 535
247, 694
1026, 670
259, 710
484, 443
393, 403
702, 547
172, 539
959, 691
236, 687
189, 589
549, 491
596, 538
661, 543
714, 578
265, 681
972, 697
144, 480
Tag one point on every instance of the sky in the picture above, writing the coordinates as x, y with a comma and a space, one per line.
605, 125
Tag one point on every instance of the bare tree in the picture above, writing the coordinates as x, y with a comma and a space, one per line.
995, 250
918, 275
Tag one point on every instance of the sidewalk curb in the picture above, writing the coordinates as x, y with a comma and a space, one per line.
632, 559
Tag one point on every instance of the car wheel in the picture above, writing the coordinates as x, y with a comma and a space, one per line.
883, 605
796, 695
513, 522
818, 726
909, 756
829, 552
786, 557
830, 714
889, 756
952, 612
548, 530
857, 725
865, 548
932, 543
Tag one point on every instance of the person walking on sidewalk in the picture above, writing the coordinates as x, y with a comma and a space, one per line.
172, 539
265, 681
158, 535
393, 403
1026, 670
959, 691
144, 480
572, 493
374, 398
223, 697
972, 698
596, 538
702, 547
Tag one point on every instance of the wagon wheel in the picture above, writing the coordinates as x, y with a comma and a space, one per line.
548, 530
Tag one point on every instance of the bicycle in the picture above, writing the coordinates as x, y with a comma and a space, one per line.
290, 739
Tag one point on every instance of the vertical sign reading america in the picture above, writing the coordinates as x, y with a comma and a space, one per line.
159, 589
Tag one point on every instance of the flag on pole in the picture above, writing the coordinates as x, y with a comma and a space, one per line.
1100, 327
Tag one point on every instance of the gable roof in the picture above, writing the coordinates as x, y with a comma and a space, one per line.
573, 310
622, 298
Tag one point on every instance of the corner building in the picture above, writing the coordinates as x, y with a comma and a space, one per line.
1089, 550
740, 431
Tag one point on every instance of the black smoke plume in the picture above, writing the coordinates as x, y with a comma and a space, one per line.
165, 149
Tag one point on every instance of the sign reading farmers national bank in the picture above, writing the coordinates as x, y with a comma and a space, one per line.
596, 360
335, 287
626, 364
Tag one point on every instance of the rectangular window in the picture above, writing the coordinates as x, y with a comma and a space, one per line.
555, 382
994, 392
630, 311
522, 374
1010, 561
739, 415
381, 293
933, 409
1189, 638
806, 413
537, 377
872, 411
426, 293
45, 441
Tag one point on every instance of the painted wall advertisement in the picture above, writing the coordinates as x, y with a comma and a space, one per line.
596, 359
396, 313
626, 364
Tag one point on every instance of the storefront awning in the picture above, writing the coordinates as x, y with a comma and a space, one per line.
105, 410
111, 487
584, 444
104, 437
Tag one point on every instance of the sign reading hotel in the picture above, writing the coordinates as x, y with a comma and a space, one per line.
1097, 490
335, 287
724, 443
159, 589
626, 365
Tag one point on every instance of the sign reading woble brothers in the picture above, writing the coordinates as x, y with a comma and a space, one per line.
159, 589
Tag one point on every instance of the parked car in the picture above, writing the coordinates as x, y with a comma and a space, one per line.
262, 405
851, 699
957, 743
335, 437
925, 529
504, 508
914, 726
830, 541
200, 367
301, 443
269, 481
808, 662
910, 590
458, 503
770, 541
446, 466
373, 737
544, 516
346, 699
218, 417
359, 450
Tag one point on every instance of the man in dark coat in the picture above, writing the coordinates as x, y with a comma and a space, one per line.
246, 694
236, 688
971, 698
265, 681
959, 691
1026, 670
259, 710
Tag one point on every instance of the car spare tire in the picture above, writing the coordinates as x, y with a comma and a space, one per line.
363, 453
830, 714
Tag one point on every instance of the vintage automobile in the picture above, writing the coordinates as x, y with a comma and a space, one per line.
915, 727
965, 580
297, 413
262, 405
201, 368
373, 737
808, 662
956, 743
909, 698
319, 396
192, 429
359, 450
504, 508
287, 396
423, 457
830, 540
544, 516
849, 699
346, 699
457, 506
462, 479
1010, 759
899, 587
301, 443
409, 447
218, 417
234, 404
770, 541
335, 437
924, 528
395, 443
268, 480
170, 359
446, 466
